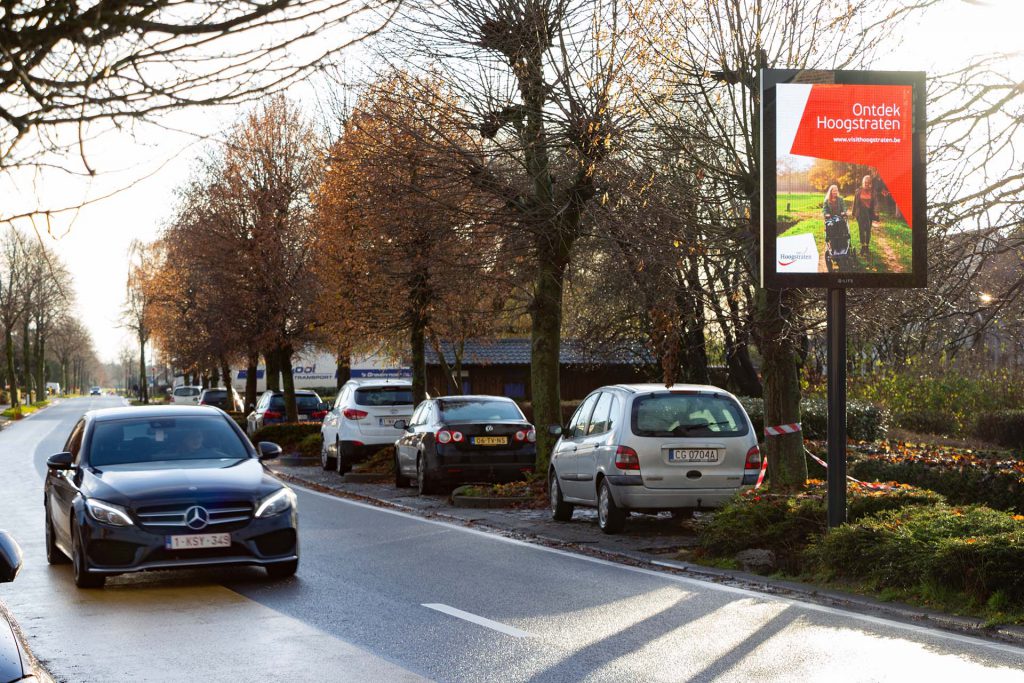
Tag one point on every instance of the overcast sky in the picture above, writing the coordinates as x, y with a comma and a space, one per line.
153, 160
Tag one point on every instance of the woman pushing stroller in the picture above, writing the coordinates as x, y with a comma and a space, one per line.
837, 232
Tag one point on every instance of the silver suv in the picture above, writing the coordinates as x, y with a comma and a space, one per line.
649, 448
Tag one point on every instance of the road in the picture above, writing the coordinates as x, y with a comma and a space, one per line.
385, 596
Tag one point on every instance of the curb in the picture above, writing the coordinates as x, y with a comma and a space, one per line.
486, 502
1009, 634
365, 477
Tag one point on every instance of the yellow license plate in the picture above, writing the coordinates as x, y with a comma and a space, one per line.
490, 440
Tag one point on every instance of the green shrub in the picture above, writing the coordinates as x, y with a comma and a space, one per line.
310, 445
927, 421
963, 477
975, 550
1004, 427
381, 462
786, 524
288, 435
864, 421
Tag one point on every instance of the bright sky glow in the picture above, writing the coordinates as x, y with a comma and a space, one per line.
94, 241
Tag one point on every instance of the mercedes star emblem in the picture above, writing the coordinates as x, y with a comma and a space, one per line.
196, 518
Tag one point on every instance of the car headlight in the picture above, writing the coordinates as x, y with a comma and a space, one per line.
107, 513
276, 503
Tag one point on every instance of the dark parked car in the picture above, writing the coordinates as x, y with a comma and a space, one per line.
464, 439
225, 399
14, 662
270, 409
162, 488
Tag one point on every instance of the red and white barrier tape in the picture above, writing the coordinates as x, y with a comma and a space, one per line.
825, 465
791, 428
764, 471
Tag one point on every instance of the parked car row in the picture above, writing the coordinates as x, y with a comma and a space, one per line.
640, 448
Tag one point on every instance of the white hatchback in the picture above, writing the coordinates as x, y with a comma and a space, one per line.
186, 395
362, 420
649, 448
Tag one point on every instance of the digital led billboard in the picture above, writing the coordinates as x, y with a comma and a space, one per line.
842, 179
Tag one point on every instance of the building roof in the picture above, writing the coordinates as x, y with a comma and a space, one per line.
516, 351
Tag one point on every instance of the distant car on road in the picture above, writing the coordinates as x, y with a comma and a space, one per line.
362, 420
464, 439
647, 448
270, 409
225, 399
95, 391
165, 487
186, 395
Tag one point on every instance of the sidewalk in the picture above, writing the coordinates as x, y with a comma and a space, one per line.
659, 543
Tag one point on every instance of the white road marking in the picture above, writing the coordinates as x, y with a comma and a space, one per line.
480, 621
704, 584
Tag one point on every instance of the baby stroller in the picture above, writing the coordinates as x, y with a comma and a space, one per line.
837, 243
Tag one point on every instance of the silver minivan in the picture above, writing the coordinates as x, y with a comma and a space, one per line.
649, 448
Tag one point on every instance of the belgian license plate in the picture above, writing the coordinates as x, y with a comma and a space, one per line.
390, 421
197, 541
490, 440
693, 455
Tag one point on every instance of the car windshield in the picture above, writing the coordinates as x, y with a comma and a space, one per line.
470, 410
685, 414
215, 395
384, 396
199, 437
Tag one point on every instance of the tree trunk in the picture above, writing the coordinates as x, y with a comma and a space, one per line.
419, 301
143, 375
743, 379
64, 376
284, 355
15, 393
787, 465
214, 377
41, 365
344, 371
546, 341
273, 372
26, 362
229, 380
251, 368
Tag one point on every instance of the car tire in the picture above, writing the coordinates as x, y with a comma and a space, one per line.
560, 510
423, 484
80, 563
610, 517
54, 555
282, 570
326, 461
344, 458
401, 481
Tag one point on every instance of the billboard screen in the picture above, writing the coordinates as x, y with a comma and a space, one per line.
842, 179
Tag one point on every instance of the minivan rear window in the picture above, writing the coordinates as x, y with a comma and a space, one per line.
384, 396
669, 414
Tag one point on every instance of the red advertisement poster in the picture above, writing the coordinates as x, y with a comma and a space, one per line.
844, 163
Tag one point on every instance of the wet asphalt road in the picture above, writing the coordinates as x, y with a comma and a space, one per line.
383, 596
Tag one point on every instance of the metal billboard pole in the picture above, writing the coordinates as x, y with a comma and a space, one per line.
836, 334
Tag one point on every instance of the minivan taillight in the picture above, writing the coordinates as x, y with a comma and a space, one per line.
754, 467
626, 458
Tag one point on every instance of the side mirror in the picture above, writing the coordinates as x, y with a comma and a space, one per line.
400, 424
555, 430
10, 557
268, 450
60, 461
324, 406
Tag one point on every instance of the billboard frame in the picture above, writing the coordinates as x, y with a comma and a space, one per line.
770, 277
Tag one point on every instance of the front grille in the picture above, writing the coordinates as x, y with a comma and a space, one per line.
223, 516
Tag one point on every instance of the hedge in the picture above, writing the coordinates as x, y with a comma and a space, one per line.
927, 421
974, 550
786, 524
292, 437
864, 421
1004, 427
964, 478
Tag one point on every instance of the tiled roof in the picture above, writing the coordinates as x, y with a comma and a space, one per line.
516, 351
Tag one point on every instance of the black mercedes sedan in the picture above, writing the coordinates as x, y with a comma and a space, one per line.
464, 439
163, 488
